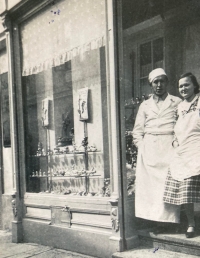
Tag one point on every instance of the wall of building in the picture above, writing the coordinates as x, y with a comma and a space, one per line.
7, 176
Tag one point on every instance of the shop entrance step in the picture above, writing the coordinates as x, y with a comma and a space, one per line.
146, 252
171, 241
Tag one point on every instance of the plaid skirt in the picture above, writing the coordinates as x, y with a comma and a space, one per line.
182, 192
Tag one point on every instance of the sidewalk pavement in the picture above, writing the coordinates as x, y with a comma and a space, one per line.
28, 250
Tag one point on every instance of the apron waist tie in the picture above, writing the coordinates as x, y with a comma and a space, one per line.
160, 133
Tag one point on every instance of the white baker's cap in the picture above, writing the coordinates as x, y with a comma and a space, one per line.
155, 73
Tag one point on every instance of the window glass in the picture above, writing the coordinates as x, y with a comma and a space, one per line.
158, 56
141, 55
151, 57
65, 108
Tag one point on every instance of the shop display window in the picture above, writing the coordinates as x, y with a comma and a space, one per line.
64, 128
65, 102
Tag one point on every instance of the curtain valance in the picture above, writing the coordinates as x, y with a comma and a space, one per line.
60, 32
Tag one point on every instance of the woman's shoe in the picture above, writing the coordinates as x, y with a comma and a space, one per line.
190, 234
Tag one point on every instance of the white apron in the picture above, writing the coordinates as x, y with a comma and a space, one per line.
152, 165
186, 160
153, 134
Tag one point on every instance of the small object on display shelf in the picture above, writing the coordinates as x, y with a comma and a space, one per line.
63, 150
39, 150
92, 148
62, 172
43, 152
92, 172
82, 193
55, 173
49, 151
40, 172
81, 149
56, 150
64, 141
67, 192
91, 194
66, 150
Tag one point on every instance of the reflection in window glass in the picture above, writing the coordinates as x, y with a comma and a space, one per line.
158, 55
151, 57
145, 59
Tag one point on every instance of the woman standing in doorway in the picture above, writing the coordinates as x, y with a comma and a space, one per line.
183, 180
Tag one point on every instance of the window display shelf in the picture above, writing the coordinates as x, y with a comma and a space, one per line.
68, 173
68, 176
82, 185
38, 156
63, 154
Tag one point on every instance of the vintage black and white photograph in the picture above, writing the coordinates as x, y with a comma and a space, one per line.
99, 128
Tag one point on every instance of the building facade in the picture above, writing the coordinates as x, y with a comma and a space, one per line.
72, 75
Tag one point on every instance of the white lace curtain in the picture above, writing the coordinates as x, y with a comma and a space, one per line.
62, 31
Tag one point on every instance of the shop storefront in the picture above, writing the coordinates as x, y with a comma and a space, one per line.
77, 72
65, 137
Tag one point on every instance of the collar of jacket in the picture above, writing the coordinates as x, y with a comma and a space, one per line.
152, 105
157, 98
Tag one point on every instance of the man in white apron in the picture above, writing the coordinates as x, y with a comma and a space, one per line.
153, 135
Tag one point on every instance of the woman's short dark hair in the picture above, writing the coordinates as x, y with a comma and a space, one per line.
193, 80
